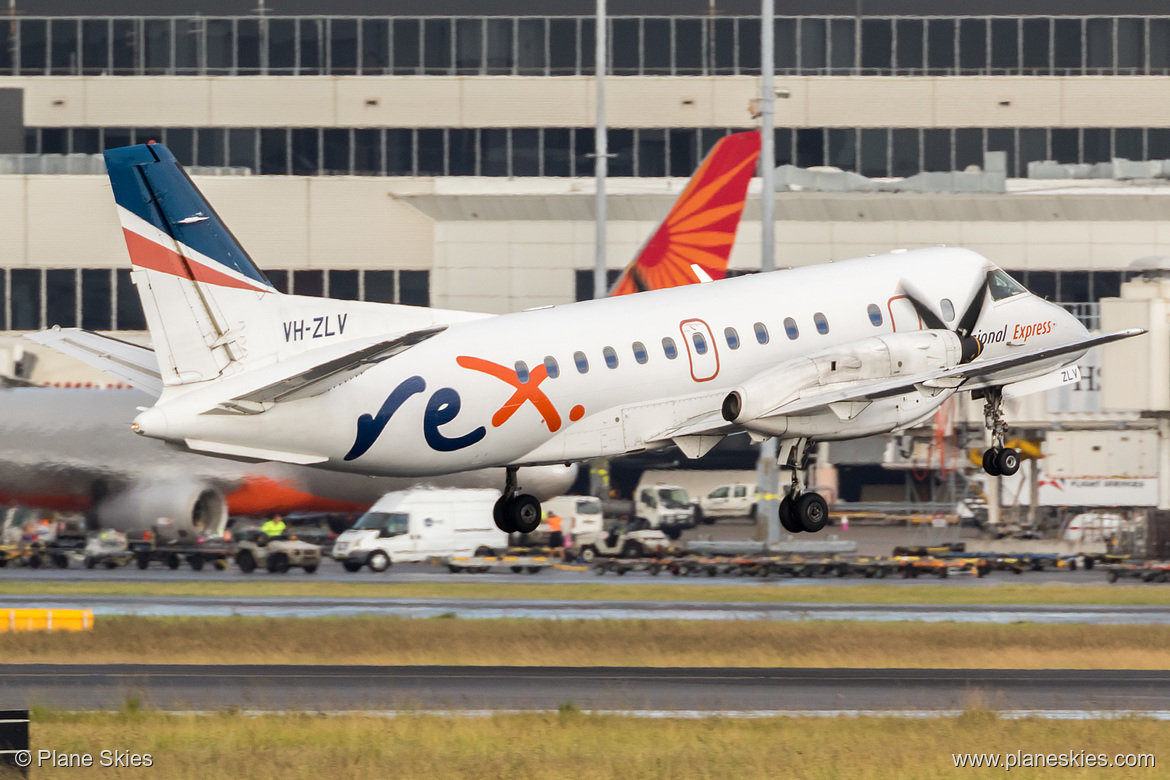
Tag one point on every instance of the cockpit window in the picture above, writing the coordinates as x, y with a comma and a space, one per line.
1003, 286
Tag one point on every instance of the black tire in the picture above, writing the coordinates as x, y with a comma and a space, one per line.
195, 562
246, 561
450, 567
61, 561
516, 569
378, 561
1007, 462
788, 519
35, 561
483, 551
991, 461
1114, 576
143, 560
589, 553
500, 515
277, 563
111, 564
524, 511
352, 567
173, 561
90, 562
311, 568
3, 561
1089, 562
534, 570
631, 549
672, 533
811, 511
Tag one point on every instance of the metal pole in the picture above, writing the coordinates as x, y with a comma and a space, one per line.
767, 471
600, 156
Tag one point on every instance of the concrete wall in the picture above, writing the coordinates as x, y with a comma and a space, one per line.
632, 101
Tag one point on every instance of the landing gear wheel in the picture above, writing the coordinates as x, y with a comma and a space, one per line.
1007, 462
787, 520
500, 515
524, 511
991, 461
811, 511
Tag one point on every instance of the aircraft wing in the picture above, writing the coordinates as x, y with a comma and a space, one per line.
324, 374
133, 364
970, 376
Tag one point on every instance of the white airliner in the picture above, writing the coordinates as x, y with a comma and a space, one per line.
826, 352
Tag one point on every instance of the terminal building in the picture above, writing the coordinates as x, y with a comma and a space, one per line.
445, 159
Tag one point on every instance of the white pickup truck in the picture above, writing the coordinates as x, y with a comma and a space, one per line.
736, 499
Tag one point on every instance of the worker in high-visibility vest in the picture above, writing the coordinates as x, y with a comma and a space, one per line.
556, 537
273, 527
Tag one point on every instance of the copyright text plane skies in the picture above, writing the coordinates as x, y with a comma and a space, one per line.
825, 352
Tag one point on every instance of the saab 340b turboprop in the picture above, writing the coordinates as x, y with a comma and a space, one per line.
824, 352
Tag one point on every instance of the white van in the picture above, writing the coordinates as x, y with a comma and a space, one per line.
581, 514
415, 525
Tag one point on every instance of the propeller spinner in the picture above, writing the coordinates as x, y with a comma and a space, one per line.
971, 346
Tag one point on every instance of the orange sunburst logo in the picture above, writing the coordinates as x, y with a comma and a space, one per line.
700, 229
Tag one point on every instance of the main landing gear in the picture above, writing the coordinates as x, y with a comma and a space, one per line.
516, 512
802, 510
998, 460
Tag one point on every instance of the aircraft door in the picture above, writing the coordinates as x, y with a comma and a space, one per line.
903, 317
701, 349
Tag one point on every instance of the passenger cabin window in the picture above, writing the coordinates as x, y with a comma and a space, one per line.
821, 323
640, 353
875, 315
790, 328
522, 371
550, 365
581, 361
1003, 286
669, 348
700, 343
761, 332
732, 338
948, 309
610, 357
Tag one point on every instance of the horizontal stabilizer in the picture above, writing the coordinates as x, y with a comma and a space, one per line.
329, 373
133, 364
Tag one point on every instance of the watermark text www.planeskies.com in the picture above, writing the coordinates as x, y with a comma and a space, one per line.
1071, 759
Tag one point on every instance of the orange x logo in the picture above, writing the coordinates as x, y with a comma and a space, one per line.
525, 391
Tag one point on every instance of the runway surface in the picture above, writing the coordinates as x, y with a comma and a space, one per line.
568, 609
475, 689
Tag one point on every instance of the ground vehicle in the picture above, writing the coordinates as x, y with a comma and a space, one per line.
579, 514
107, 547
736, 499
414, 525
278, 554
636, 541
665, 507
1095, 527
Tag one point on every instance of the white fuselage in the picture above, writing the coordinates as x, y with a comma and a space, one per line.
455, 402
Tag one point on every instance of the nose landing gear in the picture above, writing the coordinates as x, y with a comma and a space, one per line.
802, 510
516, 512
998, 460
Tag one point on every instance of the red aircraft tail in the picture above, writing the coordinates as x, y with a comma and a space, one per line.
700, 229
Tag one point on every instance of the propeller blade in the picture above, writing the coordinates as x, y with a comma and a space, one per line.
927, 315
975, 307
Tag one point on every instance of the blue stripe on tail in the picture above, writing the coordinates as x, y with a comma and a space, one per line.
148, 181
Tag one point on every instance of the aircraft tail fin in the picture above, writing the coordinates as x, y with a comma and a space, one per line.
700, 228
193, 277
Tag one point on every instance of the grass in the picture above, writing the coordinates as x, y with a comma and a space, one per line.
407, 641
1016, 591
572, 744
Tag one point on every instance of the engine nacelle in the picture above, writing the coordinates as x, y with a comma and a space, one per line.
172, 510
755, 403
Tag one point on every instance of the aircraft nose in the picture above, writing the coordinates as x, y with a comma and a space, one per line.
151, 422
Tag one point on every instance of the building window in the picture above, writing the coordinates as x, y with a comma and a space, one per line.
875, 314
